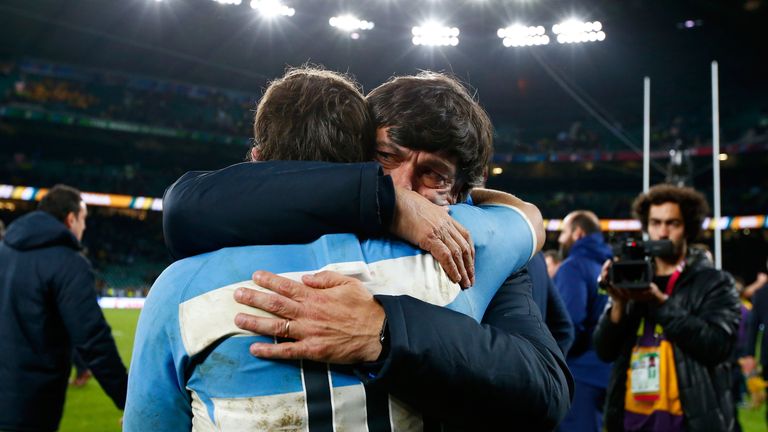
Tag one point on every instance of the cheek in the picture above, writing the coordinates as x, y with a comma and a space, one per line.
436, 196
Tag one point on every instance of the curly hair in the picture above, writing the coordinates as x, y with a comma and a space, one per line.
314, 114
434, 112
693, 206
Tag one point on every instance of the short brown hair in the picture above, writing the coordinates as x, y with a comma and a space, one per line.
60, 201
586, 220
313, 114
435, 112
693, 206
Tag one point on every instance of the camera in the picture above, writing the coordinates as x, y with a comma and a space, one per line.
633, 269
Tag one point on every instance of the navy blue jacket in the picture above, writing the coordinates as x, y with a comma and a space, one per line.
576, 279
48, 306
548, 299
469, 375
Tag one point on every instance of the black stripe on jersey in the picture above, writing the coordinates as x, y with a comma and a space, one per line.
318, 389
377, 405
432, 425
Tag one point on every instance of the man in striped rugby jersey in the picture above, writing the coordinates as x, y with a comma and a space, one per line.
311, 395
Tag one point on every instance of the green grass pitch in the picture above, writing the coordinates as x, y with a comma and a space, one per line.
88, 409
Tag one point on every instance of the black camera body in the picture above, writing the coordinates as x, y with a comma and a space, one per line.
634, 268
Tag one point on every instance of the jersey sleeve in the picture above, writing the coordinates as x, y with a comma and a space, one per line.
503, 236
157, 396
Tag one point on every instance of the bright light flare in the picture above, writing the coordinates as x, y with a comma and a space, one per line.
435, 34
575, 31
518, 35
723, 156
271, 8
497, 171
349, 23
226, 2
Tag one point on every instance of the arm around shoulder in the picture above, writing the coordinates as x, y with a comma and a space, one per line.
533, 215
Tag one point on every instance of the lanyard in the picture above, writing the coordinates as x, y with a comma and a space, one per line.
673, 279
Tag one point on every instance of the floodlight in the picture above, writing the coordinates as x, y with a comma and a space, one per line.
349, 23
435, 34
226, 2
518, 35
497, 170
271, 8
576, 31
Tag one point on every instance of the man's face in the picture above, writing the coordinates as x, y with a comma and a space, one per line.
665, 222
432, 175
76, 222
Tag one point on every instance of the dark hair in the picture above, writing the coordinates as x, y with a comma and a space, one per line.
434, 112
586, 220
2, 229
314, 114
693, 206
60, 201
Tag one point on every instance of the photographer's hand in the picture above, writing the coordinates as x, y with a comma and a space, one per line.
618, 296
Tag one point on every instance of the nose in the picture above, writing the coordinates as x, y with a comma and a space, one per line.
402, 176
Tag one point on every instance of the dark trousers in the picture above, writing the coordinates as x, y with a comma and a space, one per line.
586, 414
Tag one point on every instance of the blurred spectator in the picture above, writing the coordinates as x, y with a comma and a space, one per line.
553, 260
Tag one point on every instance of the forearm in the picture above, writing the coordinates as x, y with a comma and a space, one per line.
102, 358
489, 197
456, 370
274, 203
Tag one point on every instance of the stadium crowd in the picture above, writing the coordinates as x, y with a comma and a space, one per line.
584, 349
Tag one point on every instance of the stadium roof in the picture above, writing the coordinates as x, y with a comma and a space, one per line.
204, 42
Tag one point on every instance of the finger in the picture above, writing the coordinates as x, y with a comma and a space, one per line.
326, 279
270, 302
456, 256
443, 255
278, 327
467, 251
279, 284
283, 350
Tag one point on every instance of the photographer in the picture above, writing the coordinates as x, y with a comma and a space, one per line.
674, 335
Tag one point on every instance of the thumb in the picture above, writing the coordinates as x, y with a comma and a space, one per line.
326, 279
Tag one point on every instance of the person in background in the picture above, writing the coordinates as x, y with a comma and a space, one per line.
671, 342
48, 308
553, 259
757, 317
584, 251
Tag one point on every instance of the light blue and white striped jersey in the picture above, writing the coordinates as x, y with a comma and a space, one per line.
191, 368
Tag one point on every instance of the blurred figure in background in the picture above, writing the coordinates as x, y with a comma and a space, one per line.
48, 308
757, 317
584, 251
553, 260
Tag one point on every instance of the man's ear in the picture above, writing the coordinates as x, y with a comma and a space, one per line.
255, 154
579, 233
70, 220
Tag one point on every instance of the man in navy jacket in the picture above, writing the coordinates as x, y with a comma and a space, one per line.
48, 306
472, 367
585, 251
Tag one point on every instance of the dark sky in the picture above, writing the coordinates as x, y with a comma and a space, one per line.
202, 42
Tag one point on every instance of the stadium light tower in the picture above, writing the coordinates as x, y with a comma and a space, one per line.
271, 8
518, 35
350, 24
432, 33
576, 31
